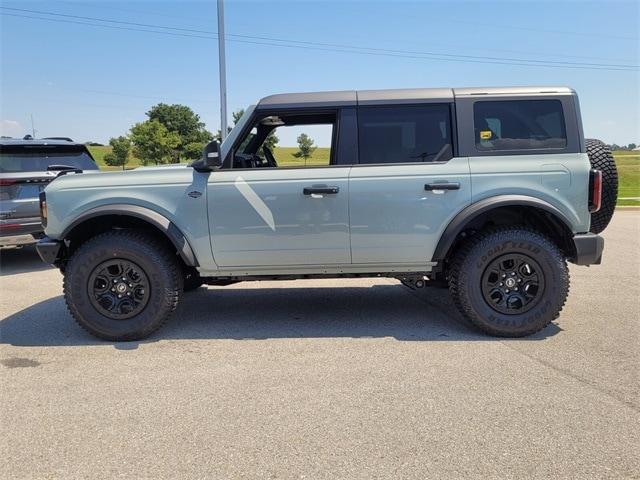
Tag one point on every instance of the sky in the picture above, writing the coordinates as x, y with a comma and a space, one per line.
81, 76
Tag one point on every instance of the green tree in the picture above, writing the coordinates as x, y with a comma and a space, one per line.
632, 146
272, 140
181, 120
154, 143
120, 152
237, 115
305, 147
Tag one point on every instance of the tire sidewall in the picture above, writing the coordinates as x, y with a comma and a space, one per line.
77, 289
537, 317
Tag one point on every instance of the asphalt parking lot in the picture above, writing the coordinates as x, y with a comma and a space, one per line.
324, 379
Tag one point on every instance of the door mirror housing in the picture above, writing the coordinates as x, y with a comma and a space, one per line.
210, 158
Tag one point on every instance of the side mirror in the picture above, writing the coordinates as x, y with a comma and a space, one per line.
210, 158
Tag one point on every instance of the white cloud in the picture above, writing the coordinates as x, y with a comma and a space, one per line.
11, 128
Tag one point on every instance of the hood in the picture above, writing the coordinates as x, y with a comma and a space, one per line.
154, 175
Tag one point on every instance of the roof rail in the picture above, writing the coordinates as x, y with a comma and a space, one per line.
67, 139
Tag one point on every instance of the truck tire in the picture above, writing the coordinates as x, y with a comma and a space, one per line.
601, 159
122, 285
509, 281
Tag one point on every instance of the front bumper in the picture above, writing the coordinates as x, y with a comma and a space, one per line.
588, 248
49, 250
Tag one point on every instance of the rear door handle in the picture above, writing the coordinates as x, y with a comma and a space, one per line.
320, 190
442, 186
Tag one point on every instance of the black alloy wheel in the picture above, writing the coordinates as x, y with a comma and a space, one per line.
513, 284
119, 289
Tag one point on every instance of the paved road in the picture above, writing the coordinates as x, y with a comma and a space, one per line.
324, 379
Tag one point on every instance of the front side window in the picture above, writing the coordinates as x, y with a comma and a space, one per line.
287, 140
405, 134
519, 125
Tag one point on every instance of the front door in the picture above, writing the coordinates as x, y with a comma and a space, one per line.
281, 207
408, 185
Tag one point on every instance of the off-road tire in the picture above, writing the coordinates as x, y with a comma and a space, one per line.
601, 159
151, 255
476, 255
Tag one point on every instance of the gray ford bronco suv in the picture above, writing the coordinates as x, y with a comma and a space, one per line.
487, 190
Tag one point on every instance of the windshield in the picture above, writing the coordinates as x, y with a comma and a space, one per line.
36, 158
231, 138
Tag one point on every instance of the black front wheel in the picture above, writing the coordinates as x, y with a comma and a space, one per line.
122, 285
509, 281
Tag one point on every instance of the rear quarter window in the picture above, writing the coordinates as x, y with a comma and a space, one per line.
519, 125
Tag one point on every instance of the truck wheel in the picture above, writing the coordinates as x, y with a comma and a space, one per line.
122, 285
509, 281
601, 159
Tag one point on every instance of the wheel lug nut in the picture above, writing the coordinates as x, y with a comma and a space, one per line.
507, 290
119, 296
513, 274
501, 284
503, 276
519, 280
113, 289
115, 281
130, 285
129, 293
516, 289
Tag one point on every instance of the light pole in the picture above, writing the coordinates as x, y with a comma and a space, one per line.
223, 72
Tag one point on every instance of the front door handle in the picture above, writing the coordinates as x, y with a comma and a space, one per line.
320, 190
442, 186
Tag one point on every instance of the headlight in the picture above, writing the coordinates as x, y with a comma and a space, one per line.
43, 209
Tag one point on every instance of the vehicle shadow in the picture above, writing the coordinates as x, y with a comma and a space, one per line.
250, 313
21, 260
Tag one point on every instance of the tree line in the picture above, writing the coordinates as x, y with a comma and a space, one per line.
171, 134
631, 146
175, 134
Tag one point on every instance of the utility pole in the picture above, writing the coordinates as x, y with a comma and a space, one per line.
223, 72
33, 129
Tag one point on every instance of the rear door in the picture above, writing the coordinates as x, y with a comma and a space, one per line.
408, 184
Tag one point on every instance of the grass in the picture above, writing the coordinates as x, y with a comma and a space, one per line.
628, 164
284, 157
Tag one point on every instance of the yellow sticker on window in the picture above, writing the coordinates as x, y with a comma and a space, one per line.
485, 134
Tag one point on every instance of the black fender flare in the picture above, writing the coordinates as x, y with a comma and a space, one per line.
469, 213
156, 219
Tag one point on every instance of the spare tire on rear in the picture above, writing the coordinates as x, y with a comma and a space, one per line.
601, 159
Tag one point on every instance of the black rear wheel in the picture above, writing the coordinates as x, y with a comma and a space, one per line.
122, 285
509, 281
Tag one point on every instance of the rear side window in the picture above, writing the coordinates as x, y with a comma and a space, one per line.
24, 158
405, 133
519, 125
